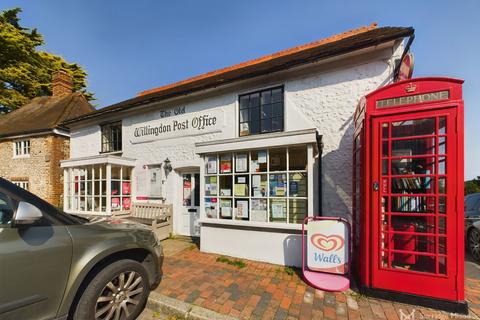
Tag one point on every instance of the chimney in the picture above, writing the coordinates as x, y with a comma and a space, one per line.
61, 84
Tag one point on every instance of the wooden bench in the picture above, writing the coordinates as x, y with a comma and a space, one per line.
157, 215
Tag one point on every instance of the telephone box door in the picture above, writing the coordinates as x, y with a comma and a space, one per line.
414, 218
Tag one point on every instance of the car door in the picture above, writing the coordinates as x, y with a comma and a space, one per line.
34, 262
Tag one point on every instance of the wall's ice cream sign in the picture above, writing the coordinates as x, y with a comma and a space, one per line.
181, 125
326, 249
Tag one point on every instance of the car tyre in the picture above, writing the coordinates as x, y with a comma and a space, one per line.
474, 243
117, 292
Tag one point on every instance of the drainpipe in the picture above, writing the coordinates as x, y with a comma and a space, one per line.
320, 188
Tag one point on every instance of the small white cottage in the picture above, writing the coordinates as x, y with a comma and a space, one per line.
244, 153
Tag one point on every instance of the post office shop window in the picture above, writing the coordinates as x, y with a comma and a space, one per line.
21, 148
261, 112
272, 189
111, 137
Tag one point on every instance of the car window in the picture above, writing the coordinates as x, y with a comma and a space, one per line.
6, 211
471, 202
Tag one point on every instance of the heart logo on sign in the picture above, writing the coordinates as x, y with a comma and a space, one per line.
327, 243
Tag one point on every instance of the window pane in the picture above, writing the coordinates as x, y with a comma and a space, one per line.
278, 185
226, 208
277, 110
413, 166
241, 186
226, 186
244, 102
266, 125
259, 210
211, 186
298, 184
259, 185
266, 97
277, 95
278, 159
297, 210
277, 124
241, 162
266, 111
244, 115
278, 210
297, 158
413, 127
254, 100
211, 164
258, 161
225, 163
241, 209
211, 205
413, 147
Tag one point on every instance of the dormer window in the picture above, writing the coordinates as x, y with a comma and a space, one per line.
112, 137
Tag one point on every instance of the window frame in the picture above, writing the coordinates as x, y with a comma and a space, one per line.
24, 184
271, 118
21, 148
109, 146
268, 197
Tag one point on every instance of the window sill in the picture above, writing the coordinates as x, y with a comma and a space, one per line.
111, 152
21, 157
254, 224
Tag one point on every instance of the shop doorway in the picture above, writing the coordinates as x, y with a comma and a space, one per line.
190, 204
414, 215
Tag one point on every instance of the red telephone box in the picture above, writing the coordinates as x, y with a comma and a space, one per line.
408, 193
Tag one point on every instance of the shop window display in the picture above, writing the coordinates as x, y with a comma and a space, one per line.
267, 185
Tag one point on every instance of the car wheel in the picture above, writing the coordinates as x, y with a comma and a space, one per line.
117, 292
474, 243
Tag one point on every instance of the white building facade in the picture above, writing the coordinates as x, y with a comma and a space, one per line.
242, 163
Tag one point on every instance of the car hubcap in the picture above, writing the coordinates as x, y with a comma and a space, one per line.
119, 297
474, 244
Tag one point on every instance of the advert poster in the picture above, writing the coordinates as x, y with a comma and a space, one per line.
327, 246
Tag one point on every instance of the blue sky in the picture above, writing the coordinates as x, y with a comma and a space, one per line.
130, 46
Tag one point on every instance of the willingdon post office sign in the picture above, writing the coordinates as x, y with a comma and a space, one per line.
327, 246
181, 125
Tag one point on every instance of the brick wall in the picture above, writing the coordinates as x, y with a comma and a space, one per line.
41, 168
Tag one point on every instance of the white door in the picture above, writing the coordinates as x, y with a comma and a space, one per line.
190, 206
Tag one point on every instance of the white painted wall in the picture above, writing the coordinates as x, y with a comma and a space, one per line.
324, 98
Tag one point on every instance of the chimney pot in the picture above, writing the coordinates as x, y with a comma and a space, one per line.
62, 84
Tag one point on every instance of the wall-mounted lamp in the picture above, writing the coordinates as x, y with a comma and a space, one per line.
167, 166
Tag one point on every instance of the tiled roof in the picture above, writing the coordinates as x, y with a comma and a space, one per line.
44, 113
335, 45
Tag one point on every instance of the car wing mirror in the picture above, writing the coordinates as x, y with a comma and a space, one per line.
27, 213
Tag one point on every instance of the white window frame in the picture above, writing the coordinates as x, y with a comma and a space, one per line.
249, 173
21, 148
22, 184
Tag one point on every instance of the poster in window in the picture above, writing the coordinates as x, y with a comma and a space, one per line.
226, 208
241, 162
225, 164
262, 156
211, 207
244, 129
242, 209
240, 189
211, 165
259, 210
278, 211
187, 192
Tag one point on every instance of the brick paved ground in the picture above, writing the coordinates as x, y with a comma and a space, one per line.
266, 291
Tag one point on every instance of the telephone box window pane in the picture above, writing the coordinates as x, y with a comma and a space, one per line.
278, 159
412, 166
385, 148
385, 167
441, 165
385, 130
442, 225
442, 145
442, 205
420, 204
442, 265
416, 127
442, 127
413, 185
405, 223
414, 243
442, 185
442, 245
278, 210
297, 210
297, 158
413, 147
